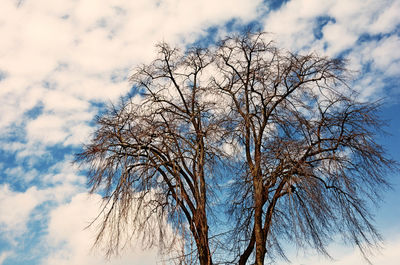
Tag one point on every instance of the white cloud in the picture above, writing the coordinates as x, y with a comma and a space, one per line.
4, 255
386, 55
338, 37
53, 98
64, 173
73, 243
48, 128
388, 19
388, 255
293, 26
60, 127
62, 54
20, 173
16, 208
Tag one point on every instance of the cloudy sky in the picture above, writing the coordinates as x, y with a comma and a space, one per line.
62, 60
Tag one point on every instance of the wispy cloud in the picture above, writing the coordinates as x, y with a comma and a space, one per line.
365, 32
388, 255
4, 255
72, 241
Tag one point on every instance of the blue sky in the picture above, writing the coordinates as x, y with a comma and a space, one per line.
61, 61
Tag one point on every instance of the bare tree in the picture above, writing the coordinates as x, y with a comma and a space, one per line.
310, 156
158, 150
278, 137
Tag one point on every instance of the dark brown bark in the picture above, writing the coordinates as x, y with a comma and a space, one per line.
258, 222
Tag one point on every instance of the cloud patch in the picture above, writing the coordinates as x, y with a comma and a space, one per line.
388, 255
365, 32
18, 206
72, 241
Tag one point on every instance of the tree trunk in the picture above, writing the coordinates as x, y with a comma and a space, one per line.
258, 227
202, 241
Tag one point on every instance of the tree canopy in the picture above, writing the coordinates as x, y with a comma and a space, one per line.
235, 149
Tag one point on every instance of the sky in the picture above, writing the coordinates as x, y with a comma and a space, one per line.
61, 62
